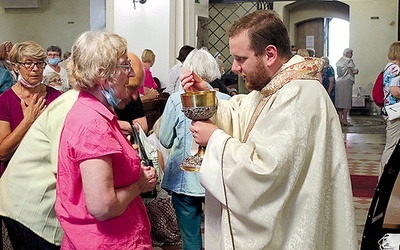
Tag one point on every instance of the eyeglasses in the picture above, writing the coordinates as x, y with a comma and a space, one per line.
56, 81
30, 65
126, 66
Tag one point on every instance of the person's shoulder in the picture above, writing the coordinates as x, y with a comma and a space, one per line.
52, 92
63, 71
47, 69
393, 69
177, 65
7, 93
65, 100
223, 96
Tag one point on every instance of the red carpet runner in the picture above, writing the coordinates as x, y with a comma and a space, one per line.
363, 185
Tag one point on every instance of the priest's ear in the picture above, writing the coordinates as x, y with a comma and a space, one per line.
270, 54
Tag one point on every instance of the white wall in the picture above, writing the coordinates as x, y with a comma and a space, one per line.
160, 25
370, 39
145, 27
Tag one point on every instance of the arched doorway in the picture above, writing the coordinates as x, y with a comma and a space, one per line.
309, 25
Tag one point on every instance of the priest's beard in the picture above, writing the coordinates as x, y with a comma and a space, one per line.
258, 77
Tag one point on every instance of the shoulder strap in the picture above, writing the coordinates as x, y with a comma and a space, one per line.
388, 94
136, 138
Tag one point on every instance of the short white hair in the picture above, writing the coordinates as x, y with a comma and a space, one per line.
203, 64
347, 50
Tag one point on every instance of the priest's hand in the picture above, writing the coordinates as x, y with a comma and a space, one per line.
202, 131
192, 82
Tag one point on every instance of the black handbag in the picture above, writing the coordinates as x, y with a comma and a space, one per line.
135, 139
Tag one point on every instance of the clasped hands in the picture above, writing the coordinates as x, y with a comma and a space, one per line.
201, 130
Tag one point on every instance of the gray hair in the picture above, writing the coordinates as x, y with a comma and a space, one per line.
47, 78
347, 50
326, 60
203, 64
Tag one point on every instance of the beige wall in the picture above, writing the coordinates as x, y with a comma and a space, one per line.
60, 23
369, 38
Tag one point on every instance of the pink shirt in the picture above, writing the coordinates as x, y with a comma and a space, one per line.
148, 81
91, 131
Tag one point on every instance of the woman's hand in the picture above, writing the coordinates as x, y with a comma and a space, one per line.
125, 127
151, 93
34, 108
192, 82
148, 179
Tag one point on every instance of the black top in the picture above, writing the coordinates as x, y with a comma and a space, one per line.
133, 110
218, 83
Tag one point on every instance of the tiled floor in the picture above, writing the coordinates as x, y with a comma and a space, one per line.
363, 153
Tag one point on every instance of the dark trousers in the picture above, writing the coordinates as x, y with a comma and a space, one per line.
22, 238
189, 213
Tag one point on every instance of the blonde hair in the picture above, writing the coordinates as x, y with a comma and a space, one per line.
27, 49
394, 51
203, 64
148, 56
95, 55
3, 50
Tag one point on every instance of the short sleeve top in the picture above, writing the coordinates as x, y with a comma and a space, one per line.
90, 131
10, 105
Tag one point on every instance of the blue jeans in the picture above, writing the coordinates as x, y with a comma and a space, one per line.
189, 214
22, 238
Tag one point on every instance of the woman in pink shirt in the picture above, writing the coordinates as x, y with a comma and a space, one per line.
149, 90
100, 178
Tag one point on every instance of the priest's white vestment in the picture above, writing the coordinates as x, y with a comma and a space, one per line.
287, 186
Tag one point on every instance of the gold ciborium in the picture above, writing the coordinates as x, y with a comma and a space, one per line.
197, 106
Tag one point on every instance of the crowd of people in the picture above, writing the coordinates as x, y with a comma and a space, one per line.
274, 168
340, 87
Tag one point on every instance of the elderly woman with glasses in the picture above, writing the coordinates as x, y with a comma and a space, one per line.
21, 104
100, 176
54, 80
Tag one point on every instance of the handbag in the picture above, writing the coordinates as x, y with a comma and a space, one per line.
393, 111
148, 157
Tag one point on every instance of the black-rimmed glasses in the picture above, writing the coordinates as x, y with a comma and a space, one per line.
30, 65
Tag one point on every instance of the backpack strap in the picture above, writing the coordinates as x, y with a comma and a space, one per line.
387, 95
